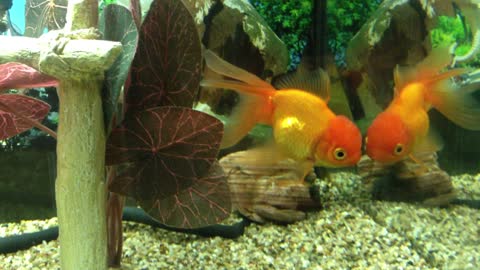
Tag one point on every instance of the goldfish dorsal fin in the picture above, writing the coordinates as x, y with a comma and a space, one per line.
222, 67
313, 81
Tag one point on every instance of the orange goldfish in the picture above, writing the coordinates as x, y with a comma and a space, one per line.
403, 129
304, 128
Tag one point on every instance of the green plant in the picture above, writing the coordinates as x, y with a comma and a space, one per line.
291, 21
450, 30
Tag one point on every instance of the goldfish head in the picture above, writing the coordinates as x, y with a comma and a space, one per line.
388, 139
340, 145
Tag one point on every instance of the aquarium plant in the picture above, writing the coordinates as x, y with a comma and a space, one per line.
78, 63
168, 150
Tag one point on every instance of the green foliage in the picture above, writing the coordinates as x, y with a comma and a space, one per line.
450, 30
291, 20
344, 19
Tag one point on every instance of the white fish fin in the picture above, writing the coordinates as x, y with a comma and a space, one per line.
456, 102
314, 81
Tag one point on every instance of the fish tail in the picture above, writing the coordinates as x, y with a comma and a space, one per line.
255, 104
455, 100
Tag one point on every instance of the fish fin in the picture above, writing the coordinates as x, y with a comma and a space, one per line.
270, 155
433, 142
429, 67
456, 102
222, 67
255, 95
314, 81
423, 167
244, 116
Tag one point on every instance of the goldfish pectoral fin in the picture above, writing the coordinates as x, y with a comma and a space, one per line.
433, 142
314, 81
222, 67
422, 169
457, 103
304, 168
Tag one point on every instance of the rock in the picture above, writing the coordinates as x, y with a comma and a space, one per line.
408, 180
395, 34
267, 193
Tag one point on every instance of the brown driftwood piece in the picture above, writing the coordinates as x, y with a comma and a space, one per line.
408, 180
266, 193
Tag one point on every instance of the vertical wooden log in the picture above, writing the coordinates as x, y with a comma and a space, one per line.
80, 185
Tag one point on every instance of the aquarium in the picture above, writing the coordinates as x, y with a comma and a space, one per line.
247, 134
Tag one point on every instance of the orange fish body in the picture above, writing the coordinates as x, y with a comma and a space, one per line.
304, 128
403, 128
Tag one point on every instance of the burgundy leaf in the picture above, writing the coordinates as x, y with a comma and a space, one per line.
16, 75
136, 9
167, 148
11, 123
166, 67
206, 202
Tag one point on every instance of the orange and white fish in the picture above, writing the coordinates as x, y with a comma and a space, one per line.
304, 128
403, 129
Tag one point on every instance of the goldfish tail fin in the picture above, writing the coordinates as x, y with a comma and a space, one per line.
231, 72
428, 68
255, 97
456, 102
244, 116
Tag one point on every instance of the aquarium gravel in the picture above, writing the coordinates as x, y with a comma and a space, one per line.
352, 232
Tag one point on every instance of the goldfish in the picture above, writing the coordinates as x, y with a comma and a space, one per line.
403, 128
304, 128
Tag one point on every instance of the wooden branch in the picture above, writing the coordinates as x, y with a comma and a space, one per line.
61, 55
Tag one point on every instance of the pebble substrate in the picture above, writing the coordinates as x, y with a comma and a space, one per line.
351, 232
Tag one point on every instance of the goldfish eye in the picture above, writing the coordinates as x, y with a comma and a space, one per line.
398, 149
339, 153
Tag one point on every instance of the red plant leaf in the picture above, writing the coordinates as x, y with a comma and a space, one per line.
206, 202
10, 123
166, 67
168, 148
16, 75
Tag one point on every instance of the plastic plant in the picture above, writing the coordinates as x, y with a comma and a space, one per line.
18, 113
166, 150
78, 63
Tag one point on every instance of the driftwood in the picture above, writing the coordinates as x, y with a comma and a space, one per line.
267, 192
421, 181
